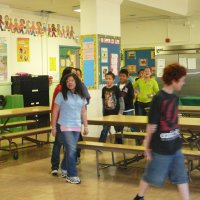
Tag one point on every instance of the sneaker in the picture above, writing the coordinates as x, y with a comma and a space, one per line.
54, 172
138, 198
63, 173
73, 180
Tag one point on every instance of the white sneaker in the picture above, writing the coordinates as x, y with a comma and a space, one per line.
63, 173
73, 180
54, 172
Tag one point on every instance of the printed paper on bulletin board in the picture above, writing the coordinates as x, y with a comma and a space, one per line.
139, 59
23, 50
69, 56
88, 60
109, 59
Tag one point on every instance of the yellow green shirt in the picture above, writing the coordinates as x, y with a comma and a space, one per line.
146, 88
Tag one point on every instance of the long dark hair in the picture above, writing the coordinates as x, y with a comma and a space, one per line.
67, 70
78, 89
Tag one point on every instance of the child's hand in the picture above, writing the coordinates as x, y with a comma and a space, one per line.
148, 154
53, 132
85, 131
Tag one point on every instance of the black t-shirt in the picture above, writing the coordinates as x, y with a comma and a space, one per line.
164, 112
110, 98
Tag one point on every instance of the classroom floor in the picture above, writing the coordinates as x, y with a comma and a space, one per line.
29, 178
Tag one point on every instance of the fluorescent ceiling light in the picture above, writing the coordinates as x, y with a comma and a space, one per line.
76, 8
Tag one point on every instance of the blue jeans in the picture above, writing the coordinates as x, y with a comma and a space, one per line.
105, 131
141, 108
55, 157
166, 166
130, 113
118, 137
70, 139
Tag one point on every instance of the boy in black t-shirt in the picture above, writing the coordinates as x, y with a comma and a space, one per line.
127, 93
162, 142
111, 102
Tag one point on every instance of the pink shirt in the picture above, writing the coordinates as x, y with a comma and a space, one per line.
64, 128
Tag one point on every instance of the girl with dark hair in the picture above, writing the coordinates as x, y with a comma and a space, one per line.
70, 106
55, 157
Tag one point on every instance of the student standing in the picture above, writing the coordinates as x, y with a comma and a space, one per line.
127, 93
111, 103
140, 75
163, 142
55, 156
70, 107
146, 87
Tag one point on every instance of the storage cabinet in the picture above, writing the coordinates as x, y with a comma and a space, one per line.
35, 91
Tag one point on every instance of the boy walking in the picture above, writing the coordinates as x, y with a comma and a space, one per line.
111, 102
162, 142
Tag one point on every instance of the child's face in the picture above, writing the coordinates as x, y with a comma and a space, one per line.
179, 84
123, 78
109, 80
147, 73
71, 83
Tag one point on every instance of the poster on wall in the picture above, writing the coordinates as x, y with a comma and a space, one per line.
3, 59
88, 50
131, 55
69, 56
23, 50
52, 64
53, 71
104, 53
104, 72
114, 63
131, 68
88, 60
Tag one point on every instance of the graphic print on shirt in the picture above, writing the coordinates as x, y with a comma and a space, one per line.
110, 100
168, 121
124, 91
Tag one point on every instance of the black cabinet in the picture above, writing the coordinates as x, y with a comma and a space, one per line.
35, 91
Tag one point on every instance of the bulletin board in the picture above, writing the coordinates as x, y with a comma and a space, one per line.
69, 56
109, 56
139, 58
88, 60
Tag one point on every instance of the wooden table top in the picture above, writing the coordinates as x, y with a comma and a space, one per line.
17, 112
141, 121
118, 120
189, 109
